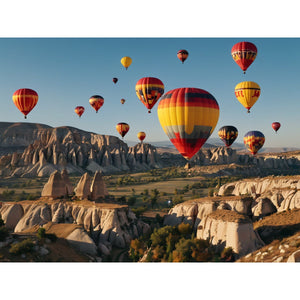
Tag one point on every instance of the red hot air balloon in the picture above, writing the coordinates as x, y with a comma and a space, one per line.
122, 101
276, 126
79, 110
122, 128
182, 55
25, 100
149, 90
244, 53
96, 102
115, 80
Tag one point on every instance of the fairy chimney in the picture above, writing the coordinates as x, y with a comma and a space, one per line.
55, 187
98, 188
82, 190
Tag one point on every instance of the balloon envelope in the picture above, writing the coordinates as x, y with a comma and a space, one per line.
276, 126
149, 90
122, 101
122, 128
244, 53
96, 102
126, 61
247, 93
141, 135
188, 116
182, 55
115, 80
228, 134
79, 110
254, 140
25, 100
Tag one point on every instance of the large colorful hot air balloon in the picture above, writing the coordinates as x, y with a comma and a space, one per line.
25, 100
122, 128
115, 80
228, 134
182, 55
126, 61
96, 102
122, 101
188, 116
79, 110
247, 92
141, 136
276, 126
149, 90
254, 140
244, 53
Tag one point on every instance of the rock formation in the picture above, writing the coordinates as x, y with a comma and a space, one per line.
82, 190
98, 188
230, 229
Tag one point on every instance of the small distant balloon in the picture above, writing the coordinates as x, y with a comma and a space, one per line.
79, 110
254, 140
182, 55
126, 61
276, 126
228, 134
115, 80
122, 128
141, 136
25, 100
122, 101
96, 102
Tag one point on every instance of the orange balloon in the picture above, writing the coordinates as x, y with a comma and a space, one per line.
96, 102
79, 110
141, 135
122, 128
25, 100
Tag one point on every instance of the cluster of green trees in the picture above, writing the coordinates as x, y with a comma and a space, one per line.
176, 244
11, 195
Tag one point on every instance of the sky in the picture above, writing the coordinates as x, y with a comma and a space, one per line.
66, 72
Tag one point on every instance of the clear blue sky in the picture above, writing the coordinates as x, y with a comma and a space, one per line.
67, 71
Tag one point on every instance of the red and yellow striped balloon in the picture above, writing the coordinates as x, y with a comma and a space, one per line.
122, 128
96, 102
188, 116
149, 90
141, 136
254, 140
25, 100
244, 53
79, 110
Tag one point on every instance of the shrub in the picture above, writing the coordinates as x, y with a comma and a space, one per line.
3, 233
41, 233
22, 247
131, 200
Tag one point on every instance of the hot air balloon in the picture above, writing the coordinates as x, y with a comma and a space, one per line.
126, 61
122, 101
79, 110
188, 116
253, 141
96, 102
228, 134
115, 80
276, 126
149, 90
247, 92
182, 55
122, 128
244, 53
141, 136
25, 100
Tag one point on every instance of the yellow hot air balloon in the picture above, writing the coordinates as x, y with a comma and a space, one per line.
188, 116
247, 92
141, 136
126, 61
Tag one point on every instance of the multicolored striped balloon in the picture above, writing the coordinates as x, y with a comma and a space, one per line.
254, 140
228, 134
149, 90
244, 53
79, 110
122, 128
188, 116
247, 92
182, 55
96, 102
25, 100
